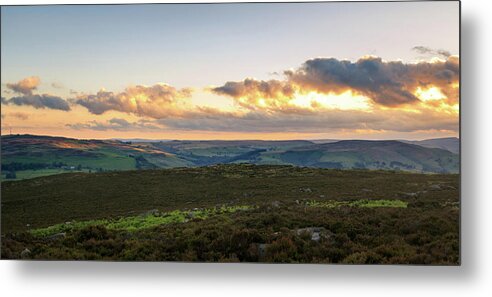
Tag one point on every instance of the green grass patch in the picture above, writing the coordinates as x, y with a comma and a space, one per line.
135, 223
359, 203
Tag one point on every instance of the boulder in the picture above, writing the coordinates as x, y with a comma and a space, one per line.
25, 253
262, 247
435, 187
316, 233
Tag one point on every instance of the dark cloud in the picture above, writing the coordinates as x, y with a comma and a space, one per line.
424, 50
25, 86
390, 83
39, 101
156, 101
387, 83
250, 86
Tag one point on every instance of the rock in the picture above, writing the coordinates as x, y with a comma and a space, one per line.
321, 196
316, 233
409, 194
152, 212
25, 253
297, 201
305, 190
276, 204
435, 187
57, 236
262, 247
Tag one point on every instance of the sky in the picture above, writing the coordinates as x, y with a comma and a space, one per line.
232, 71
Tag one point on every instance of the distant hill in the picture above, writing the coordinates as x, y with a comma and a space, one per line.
451, 144
366, 154
30, 155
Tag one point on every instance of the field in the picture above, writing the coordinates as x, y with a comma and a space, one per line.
235, 212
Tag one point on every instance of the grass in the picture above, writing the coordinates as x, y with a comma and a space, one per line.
359, 203
109, 160
105, 216
46, 201
134, 223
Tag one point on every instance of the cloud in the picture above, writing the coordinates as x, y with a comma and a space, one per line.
389, 84
157, 101
316, 122
17, 115
57, 85
424, 50
25, 86
274, 91
116, 124
382, 96
309, 121
39, 102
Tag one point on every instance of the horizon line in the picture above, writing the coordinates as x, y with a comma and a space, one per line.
229, 140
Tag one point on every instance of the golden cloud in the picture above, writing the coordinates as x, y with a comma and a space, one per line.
389, 84
157, 101
25, 86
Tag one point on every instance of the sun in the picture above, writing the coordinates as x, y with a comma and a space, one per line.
429, 94
344, 101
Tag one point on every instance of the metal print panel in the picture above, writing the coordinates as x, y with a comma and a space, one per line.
255, 132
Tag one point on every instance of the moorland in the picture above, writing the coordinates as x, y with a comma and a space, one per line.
235, 213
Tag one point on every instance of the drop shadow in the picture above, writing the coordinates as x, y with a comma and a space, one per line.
62, 270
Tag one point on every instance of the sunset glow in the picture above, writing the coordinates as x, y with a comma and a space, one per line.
163, 77
344, 101
432, 93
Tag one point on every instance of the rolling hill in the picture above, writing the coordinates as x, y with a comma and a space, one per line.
451, 144
27, 156
364, 154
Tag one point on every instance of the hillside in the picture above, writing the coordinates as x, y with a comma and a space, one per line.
364, 154
29, 156
227, 213
451, 144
